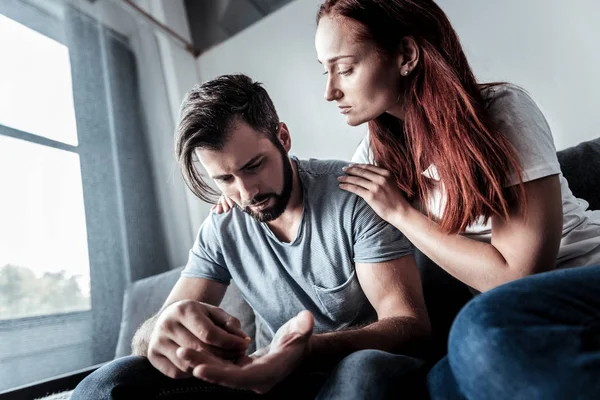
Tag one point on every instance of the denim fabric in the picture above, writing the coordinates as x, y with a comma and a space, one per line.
535, 338
133, 377
367, 374
375, 374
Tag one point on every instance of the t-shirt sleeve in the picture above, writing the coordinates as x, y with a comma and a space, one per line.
374, 239
364, 153
205, 257
514, 113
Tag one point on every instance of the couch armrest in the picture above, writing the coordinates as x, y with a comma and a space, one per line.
142, 299
47, 387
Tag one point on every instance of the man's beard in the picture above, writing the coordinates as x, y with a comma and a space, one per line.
281, 199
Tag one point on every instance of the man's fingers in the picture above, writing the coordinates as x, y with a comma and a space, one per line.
195, 357
166, 367
303, 323
166, 361
226, 321
258, 375
249, 377
184, 338
205, 329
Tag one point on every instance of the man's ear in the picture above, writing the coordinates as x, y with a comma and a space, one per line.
284, 137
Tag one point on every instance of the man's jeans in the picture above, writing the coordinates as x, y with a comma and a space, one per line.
367, 374
535, 338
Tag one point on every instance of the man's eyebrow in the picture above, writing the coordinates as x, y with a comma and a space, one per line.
252, 161
334, 59
249, 163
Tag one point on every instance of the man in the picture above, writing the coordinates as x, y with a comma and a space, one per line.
329, 279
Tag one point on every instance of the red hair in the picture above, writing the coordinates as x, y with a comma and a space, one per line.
445, 116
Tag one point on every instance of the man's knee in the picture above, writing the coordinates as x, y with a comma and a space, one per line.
102, 383
369, 368
374, 374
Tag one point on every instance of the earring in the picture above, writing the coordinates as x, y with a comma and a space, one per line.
406, 72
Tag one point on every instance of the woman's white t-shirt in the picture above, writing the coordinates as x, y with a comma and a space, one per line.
514, 113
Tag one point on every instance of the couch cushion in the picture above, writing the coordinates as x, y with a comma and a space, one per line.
145, 297
581, 166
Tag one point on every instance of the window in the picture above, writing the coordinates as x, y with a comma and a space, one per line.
44, 267
35, 77
45, 307
79, 218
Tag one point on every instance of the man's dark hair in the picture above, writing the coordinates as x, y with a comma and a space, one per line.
206, 117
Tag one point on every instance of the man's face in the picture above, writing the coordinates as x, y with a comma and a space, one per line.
252, 171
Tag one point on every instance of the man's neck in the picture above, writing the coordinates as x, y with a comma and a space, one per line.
285, 227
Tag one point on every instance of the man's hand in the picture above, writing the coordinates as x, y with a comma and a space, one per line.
199, 326
261, 371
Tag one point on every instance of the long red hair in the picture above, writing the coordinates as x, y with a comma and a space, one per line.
445, 118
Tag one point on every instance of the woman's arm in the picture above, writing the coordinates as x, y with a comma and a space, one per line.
527, 243
521, 246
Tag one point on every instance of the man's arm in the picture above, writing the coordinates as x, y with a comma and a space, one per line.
394, 290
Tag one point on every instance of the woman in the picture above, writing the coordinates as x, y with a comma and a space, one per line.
468, 172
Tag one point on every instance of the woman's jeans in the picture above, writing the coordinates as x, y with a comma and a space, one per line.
366, 374
535, 338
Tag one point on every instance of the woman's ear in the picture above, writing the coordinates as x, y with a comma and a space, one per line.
408, 55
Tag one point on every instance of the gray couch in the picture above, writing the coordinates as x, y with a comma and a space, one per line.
444, 295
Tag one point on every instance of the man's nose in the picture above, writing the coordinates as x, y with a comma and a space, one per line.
248, 191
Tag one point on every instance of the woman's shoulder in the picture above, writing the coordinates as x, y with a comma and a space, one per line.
510, 106
364, 152
502, 95
513, 113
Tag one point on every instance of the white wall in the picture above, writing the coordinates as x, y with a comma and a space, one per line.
550, 47
164, 84
180, 72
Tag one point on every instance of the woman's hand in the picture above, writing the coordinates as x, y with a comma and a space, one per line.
377, 187
223, 205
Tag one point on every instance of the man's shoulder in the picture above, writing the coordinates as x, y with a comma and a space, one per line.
321, 186
224, 225
316, 167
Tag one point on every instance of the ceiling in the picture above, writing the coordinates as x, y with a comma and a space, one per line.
212, 21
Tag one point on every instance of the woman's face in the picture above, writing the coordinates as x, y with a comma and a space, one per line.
362, 83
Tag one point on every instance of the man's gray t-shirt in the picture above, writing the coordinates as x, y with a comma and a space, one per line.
315, 271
